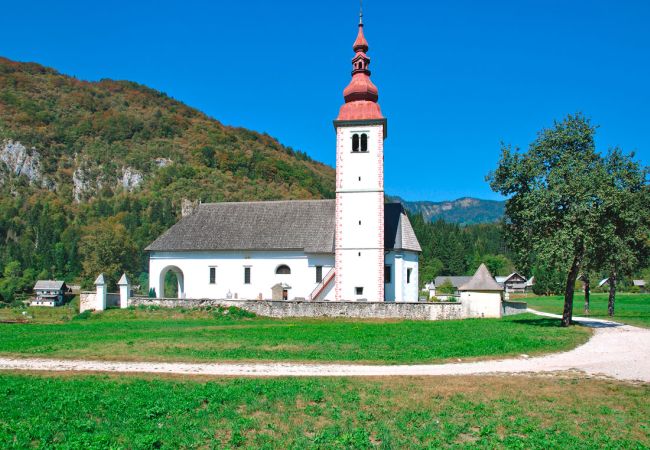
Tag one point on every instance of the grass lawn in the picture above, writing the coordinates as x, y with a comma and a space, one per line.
630, 308
211, 335
81, 411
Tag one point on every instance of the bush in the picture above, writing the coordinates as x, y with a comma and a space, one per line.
84, 315
148, 307
238, 313
446, 287
232, 312
548, 281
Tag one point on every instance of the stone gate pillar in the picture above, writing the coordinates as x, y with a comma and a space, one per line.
125, 291
100, 285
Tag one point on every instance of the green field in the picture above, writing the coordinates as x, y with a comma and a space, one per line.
633, 309
218, 335
462, 412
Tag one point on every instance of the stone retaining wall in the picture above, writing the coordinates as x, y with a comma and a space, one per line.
293, 308
88, 300
509, 308
298, 308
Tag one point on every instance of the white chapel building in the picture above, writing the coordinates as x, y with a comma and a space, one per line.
353, 248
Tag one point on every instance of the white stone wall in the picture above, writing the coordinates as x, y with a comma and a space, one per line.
357, 310
89, 301
481, 304
229, 271
359, 215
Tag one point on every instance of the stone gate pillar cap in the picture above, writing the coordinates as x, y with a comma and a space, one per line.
124, 281
100, 279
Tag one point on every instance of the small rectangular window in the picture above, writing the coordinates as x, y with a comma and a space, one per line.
213, 275
358, 290
247, 275
387, 275
319, 274
408, 275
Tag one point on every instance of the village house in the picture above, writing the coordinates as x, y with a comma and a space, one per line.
640, 284
351, 248
434, 287
49, 293
513, 283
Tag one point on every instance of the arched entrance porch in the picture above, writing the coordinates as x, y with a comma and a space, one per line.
180, 283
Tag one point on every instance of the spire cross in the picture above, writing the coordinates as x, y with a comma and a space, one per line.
360, 12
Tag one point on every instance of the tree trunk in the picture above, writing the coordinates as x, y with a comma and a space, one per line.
587, 293
612, 293
567, 314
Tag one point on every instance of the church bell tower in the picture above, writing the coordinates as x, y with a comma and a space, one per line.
360, 133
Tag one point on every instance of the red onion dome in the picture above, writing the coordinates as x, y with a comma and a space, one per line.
361, 94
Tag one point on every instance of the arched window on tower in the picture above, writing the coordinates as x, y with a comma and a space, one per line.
364, 142
283, 270
355, 142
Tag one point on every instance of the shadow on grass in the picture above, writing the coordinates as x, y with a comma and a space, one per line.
556, 323
596, 323
541, 322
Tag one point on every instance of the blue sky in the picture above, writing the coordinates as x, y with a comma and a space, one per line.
455, 77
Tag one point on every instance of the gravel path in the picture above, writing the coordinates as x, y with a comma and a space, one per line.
615, 350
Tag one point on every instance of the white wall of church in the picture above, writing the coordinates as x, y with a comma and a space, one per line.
229, 273
359, 214
403, 287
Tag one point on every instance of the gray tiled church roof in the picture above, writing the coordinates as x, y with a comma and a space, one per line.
306, 225
398, 232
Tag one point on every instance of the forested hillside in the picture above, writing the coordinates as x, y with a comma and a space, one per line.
90, 166
452, 249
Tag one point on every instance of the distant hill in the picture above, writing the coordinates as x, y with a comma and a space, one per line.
77, 155
464, 211
82, 140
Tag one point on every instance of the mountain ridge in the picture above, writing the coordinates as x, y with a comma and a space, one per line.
463, 211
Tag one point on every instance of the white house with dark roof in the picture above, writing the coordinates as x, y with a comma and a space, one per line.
49, 293
513, 283
351, 248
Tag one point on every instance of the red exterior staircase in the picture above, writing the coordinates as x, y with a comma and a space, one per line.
320, 287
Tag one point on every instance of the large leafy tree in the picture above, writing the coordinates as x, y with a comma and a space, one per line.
107, 247
553, 194
623, 220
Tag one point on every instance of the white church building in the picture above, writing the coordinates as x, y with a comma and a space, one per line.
353, 248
